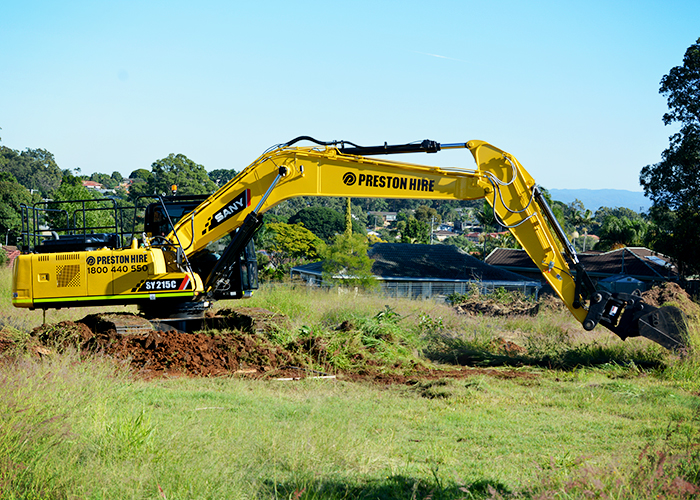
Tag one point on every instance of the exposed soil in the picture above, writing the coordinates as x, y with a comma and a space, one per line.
237, 349
664, 294
425, 374
672, 294
241, 349
6, 342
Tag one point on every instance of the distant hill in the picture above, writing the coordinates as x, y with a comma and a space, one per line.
593, 199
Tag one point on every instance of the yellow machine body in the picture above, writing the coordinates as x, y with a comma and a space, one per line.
130, 275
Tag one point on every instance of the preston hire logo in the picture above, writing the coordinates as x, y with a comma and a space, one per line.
349, 179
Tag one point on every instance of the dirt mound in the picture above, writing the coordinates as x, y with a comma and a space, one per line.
665, 294
506, 347
672, 294
239, 349
199, 354
551, 302
66, 334
426, 374
479, 305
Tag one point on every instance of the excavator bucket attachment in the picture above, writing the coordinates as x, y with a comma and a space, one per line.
665, 326
627, 315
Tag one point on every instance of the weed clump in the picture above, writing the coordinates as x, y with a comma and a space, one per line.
499, 302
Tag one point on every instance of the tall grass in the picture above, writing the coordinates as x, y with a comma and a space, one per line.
42, 410
402, 332
684, 370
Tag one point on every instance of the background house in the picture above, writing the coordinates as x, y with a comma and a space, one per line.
96, 186
381, 219
425, 271
618, 270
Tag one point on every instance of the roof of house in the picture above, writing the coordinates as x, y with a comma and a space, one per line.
630, 261
438, 262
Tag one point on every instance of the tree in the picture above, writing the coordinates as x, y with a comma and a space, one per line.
559, 209
414, 231
488, 243
428, 215
486, 218
35, 169
12, 194
107, 181
291, 242
461, 242
346, 261
178, 170
141, 174
141, 178
221, 176
46, 176
323, 222
580, 217
373, 204
617, 232
387, 235
603, 212
290, 207
98, 213
675, 233
673, 184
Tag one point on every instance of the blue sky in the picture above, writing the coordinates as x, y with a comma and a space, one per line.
569, 88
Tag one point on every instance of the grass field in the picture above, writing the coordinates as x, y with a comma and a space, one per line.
607, 420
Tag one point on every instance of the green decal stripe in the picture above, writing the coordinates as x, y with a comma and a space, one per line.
113, 297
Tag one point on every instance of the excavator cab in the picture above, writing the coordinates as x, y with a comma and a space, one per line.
160, 217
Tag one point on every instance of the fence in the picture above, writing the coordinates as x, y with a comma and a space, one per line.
434, 289
443, 289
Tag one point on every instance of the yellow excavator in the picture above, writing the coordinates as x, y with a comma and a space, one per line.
171, 275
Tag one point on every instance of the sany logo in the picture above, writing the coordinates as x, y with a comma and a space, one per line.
233, 207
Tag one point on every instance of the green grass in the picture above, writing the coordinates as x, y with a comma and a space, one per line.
85, 430
577, 415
